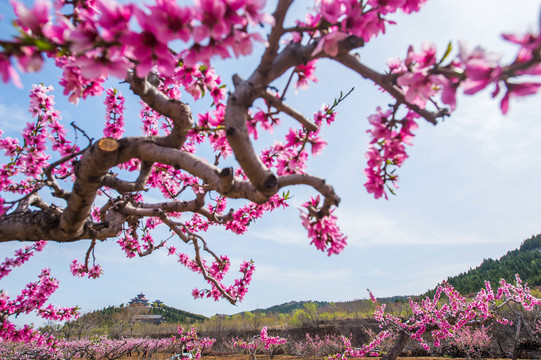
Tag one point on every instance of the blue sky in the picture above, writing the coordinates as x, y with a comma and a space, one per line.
469, 190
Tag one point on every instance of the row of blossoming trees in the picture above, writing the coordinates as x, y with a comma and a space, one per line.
59, 184
101, 347
446, 318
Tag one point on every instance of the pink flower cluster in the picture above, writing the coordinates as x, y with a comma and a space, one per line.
134, 245
316, 346
217, 270
343, 18
81, 270
30, 157
32, 299
270, 343
290, 157
322, 229
250, 212
100, 38
21, 256
102, 347
472, 340
114, 118
387, 150
304, 73
421, 77
191, 341
371, 349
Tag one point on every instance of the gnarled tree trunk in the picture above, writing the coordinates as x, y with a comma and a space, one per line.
401, 341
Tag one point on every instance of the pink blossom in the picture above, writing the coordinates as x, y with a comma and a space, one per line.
323, 230
33, 19
114, 19
419, 86
480, 73
363, 24
114, 118
514, 90
528, 41
386, 6
149, 48
333, 10
427, 56
8, 72
318, 144
171, 21
329, 43
212, 15
305, 72
412, 5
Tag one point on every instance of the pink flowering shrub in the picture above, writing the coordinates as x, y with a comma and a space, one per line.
316, 346
446, 316
428, 82
269, 343
32, 299
472, 340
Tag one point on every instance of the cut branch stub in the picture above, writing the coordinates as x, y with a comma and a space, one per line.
94, 165
108, 144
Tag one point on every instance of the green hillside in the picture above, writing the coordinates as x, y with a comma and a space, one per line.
107, 316
173, 315
525, 261
289, 307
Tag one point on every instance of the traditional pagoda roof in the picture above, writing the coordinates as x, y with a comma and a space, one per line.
139, 300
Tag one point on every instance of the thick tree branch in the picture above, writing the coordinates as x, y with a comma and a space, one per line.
52, 180
176, 110
354, 64
45, 225
92, 170
93, 166
274, 37
122, 186
245, 93
146, 210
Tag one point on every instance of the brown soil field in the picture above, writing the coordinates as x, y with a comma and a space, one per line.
288, 357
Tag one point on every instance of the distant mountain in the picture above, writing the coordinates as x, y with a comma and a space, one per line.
288, 307
525, 261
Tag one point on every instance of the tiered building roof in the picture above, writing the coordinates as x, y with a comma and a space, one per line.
139, 300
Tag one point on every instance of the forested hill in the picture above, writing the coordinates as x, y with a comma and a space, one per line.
114, 313
525, 261
289, 307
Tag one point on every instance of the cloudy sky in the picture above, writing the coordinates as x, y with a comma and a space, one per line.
469, 190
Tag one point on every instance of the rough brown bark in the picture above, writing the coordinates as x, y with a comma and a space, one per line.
399, 345
516, 350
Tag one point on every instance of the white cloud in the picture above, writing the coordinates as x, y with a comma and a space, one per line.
368, 228
505, 142
13, 117
287, 235
273, 273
